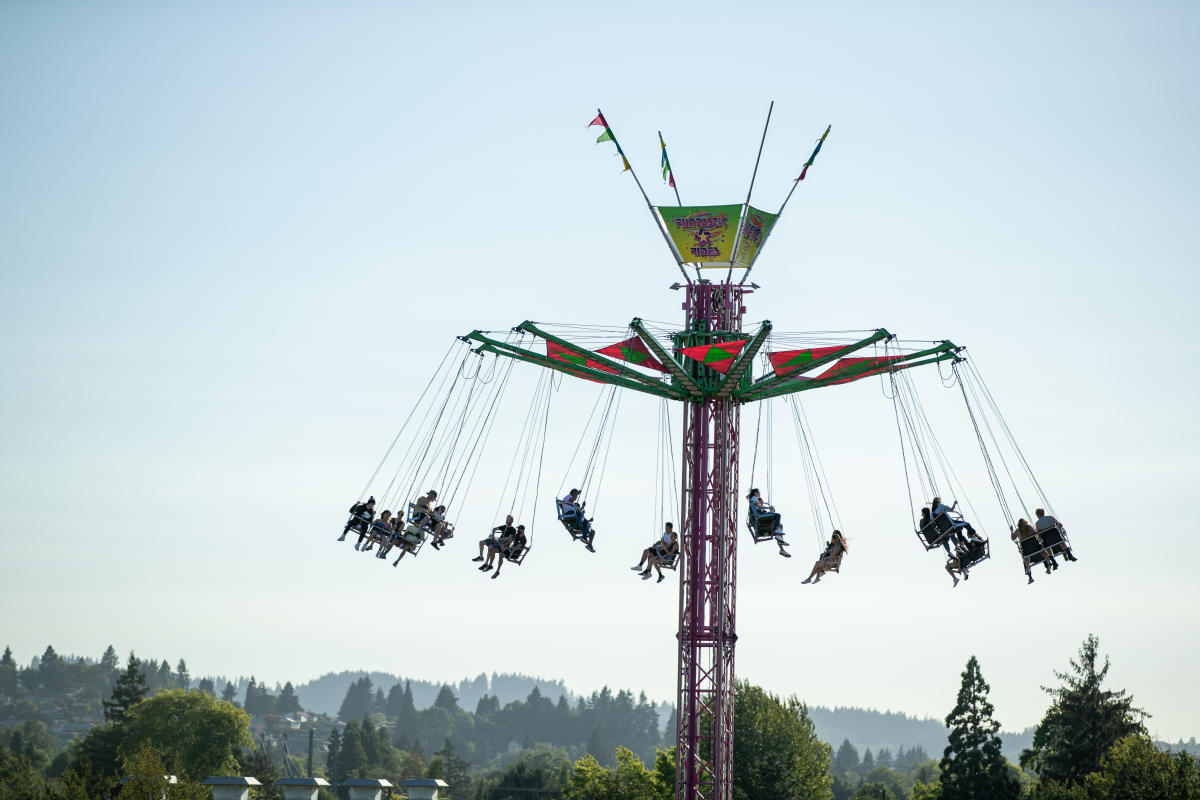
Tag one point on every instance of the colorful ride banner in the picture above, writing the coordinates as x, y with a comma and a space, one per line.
703, 235
756, 227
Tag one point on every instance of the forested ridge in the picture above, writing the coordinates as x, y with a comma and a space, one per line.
71, 726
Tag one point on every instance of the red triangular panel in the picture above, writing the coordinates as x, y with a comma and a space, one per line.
632, 351
878, 364
560, 353
717, 356
792, 362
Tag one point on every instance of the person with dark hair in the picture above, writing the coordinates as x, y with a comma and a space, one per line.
423, 509
662, 552
574, 517
380, 531
361, 517
493, 539
507, 549
762, 512
442, 530
959, 525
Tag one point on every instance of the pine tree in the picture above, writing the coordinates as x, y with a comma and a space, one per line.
183, 678
8, 672
846, 759
229, 692
357, 702
287, 702
973, 767
206, 685
395, 697
379, 704
251, 701
1083, 722
448, 701
165, 677
130, 688
868, 761
109, 661
352, 757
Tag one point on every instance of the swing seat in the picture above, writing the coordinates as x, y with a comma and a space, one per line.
411, 539
666, 560
762, 524
1055, 540
416, 515
1033, 549
378, 533
359, 522
571, 520
516, 555
976, 553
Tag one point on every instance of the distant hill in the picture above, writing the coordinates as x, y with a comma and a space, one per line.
877, 730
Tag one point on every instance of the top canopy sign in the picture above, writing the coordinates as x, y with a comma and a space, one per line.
715, 236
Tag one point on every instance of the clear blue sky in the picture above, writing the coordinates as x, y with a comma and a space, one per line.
235, 238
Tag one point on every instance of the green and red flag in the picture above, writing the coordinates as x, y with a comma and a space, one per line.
813, 157
788, 362
870, 365
718, 356
668, 175
560, 353
608, 136
633, 351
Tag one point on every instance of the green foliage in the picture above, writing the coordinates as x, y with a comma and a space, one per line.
846, 759
146, 778
925, 791
973, 767
590, 781
875, 791
1082, 723
287, 702
538, 773
31, 741
196, 735
1135, 769
359, 700
8, 673
776, 752
20, 779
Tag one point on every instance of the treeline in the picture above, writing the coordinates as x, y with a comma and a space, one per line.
594, 724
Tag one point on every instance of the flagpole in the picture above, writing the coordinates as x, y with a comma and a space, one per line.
649, 205
672, 172
779, 213
749, 192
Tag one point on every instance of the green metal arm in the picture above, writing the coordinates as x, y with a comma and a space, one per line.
490, 345
771, 382
743, 362
622, 368
665, 358
945, 351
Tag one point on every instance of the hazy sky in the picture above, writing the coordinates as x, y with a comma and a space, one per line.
236, 238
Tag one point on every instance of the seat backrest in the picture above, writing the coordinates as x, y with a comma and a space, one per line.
943, 523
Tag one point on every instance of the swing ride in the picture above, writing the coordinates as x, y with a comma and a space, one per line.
712, 366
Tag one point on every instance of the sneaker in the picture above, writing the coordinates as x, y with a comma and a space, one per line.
955, 582
590, 548
785, 554
638, 568
486, 567
645, 576
781, 541
477, 559
660, 578
807, 580
1030, 580
966, 575
355, 545
497, 575
342, 538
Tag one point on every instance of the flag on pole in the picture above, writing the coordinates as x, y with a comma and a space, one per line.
668, 175
813, 157
718, 356
633, 351
607, 136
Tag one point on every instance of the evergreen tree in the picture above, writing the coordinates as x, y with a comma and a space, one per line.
454, 770
206, 686
846, 759
884, 758
395, 698
164, 678
1082, 723
333, 751
487, 706
8, 672
357, 702
109, 661
379, 704
406, 717
183, 678
287, 702
52, 673
352, 758
868, 761
129, 689
229, 692
448, 701
972, 766
251, 702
